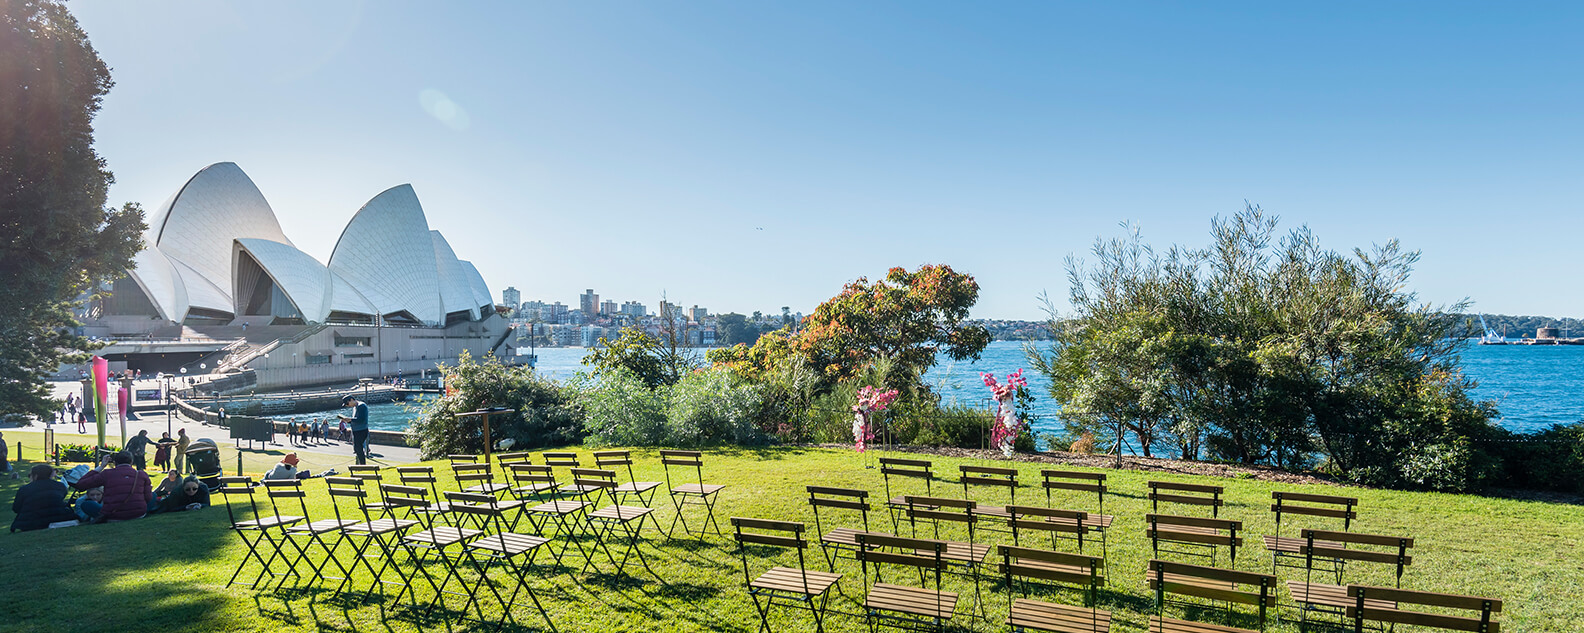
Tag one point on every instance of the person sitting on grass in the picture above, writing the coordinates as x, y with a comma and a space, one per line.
89, 505
286, 469
40, 502
167, 486
127, 492
191, 495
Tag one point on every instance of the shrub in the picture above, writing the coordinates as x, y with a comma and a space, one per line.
547, 414
709, 407
706, 407
622, 411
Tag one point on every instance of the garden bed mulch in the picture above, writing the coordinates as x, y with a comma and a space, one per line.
1130, 462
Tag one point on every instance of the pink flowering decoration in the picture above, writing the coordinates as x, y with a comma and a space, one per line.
1006, 428
870, 400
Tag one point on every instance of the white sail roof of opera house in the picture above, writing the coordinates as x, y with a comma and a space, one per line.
216, 252
386, 252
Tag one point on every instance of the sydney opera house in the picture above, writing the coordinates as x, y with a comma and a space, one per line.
219, 282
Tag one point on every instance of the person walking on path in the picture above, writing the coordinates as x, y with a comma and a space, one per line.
181, 449
138, 447
82, 420
360, 431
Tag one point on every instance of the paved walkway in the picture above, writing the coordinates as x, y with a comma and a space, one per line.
155, 424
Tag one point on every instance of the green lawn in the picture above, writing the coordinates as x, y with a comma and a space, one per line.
167, 573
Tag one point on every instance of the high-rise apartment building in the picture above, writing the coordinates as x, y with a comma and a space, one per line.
609, 308
634, 309
589, 303
511, 297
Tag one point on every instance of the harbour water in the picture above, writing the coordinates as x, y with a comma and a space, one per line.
1534, 386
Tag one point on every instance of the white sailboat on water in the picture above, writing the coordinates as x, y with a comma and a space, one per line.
1490, 337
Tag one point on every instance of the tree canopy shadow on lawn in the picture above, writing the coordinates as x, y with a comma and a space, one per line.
116, 576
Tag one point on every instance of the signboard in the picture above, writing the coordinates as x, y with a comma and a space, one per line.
148, 395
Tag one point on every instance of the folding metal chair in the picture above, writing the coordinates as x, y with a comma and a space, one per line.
566, 517
1210, 583
570, 462
481, 506
1031, 564
478, 478
840, 539
644, 491
507, 460
605, 521
989, 477
791, 586
371, 473
457, 460
1300, 503
691, 493
533, 483
311, 533
443, 542
515, 552
424, 477
383, 533
1082, 482
911, 607
906, 469
961, 557
1058, 523
269, 532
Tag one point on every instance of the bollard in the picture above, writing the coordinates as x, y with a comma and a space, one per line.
239, 463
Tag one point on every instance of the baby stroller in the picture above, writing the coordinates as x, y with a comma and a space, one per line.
203, 456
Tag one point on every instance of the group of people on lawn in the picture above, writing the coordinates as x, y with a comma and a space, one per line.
118, 490
115, 491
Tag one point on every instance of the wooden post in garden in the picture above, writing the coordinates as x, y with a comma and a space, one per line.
484, 416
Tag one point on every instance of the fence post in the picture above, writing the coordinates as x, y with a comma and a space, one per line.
239, 463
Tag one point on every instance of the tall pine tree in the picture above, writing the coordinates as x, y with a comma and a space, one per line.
57, 237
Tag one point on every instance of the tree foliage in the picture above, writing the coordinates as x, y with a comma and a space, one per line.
1264, 350
546, 414
57, 237
905, 319
655, 362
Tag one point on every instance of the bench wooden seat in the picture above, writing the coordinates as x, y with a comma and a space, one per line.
844, 537
509, 543
911, 600
267, 522
620, 513
559, 506
801, 581
1059, 618
322, 526
698, 489
1158, 624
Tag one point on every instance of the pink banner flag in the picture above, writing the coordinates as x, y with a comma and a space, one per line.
101, 383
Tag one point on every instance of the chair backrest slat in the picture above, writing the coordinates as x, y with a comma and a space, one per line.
1186, 494
1361, 611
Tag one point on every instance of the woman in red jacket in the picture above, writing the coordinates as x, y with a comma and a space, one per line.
127, 492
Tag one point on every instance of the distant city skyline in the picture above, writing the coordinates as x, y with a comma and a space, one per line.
731, 154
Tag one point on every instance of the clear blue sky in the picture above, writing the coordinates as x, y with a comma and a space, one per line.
747, 155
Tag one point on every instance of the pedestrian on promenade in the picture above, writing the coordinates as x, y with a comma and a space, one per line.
343, 431
81, 419
359, 422
181, 450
